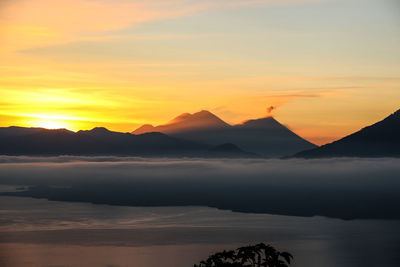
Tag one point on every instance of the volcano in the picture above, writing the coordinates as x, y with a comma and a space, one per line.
265, 136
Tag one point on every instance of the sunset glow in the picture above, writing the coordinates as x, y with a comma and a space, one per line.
119, 64
49, 124
50, 121
199, 133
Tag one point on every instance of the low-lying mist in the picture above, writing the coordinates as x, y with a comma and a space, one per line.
346, 188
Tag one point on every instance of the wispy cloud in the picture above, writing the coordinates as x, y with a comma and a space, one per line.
27, 24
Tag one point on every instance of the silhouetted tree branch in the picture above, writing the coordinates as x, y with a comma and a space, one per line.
260, 255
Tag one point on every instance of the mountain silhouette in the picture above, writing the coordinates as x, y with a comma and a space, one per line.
381, 139
186, 122
229, 150
101, 141
265, 136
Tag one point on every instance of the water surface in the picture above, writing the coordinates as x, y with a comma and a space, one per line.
37, 232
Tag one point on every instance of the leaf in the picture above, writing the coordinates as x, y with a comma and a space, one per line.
287, 256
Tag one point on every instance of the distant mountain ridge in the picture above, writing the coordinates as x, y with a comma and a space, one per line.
264, 136
381, 139
186, 122
202, 134
101, 141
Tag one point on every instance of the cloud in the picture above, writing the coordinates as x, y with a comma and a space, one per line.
30, 169
344, 188
44, 22
27, 24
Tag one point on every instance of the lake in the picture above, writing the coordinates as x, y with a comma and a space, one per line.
38, 232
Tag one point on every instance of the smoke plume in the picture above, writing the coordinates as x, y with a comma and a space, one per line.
270, 109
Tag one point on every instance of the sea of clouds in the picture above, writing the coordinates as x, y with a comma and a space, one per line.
68, 169
345, 187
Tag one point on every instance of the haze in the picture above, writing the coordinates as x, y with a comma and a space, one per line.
344, 188
120, 64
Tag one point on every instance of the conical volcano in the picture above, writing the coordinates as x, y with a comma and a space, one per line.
265, 136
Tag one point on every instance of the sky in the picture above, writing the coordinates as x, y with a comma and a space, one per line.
330, 67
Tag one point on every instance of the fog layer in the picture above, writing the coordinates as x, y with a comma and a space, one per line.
345, 188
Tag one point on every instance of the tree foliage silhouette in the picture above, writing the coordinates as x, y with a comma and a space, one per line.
260, 255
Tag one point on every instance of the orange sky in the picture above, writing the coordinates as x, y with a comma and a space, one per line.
328, 68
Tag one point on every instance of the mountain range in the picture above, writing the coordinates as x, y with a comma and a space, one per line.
202, 134
265, 136
100, 141
381, 139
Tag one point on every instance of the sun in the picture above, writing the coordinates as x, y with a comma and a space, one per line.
51, 124
52, 121
48, 121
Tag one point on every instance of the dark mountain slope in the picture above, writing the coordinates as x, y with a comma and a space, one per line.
381, 139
